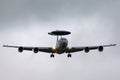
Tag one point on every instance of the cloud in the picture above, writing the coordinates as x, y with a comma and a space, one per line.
22, 11
26, 22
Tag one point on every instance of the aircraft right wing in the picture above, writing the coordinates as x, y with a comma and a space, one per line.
88, 48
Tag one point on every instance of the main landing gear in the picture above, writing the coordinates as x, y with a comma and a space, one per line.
69, 55
52, 55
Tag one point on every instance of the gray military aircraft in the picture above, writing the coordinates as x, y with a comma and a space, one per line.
61, 46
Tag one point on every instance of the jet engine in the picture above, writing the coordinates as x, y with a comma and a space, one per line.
87, 50
35, 50
20, 49
100, 48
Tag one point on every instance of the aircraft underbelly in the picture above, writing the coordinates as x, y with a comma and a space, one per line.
61, 49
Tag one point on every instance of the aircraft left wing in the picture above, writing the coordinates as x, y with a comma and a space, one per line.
34, 49
88, 48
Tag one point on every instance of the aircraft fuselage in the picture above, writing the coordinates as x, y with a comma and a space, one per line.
61, 45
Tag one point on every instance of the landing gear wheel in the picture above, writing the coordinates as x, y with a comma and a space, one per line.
52, 55
69, 55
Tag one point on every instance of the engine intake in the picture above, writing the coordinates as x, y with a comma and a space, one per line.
100, 48
87, 50
20, 49
35, 50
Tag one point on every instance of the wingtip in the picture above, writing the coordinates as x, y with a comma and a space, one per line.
5, 45
113, 44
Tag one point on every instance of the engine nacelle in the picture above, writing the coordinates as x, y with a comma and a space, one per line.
35, 50
100, 48
87, 50
20, 49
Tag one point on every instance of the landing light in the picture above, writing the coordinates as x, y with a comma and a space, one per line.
69, 48
53, 48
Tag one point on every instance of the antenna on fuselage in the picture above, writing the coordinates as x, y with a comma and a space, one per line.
57, 38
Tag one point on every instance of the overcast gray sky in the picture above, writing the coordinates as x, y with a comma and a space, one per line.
27, 22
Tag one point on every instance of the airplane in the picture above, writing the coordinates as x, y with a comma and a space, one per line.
61, 46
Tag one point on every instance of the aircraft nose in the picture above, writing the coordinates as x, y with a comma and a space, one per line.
64, 43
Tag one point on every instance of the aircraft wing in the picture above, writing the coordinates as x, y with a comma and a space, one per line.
34, 49
88, 48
